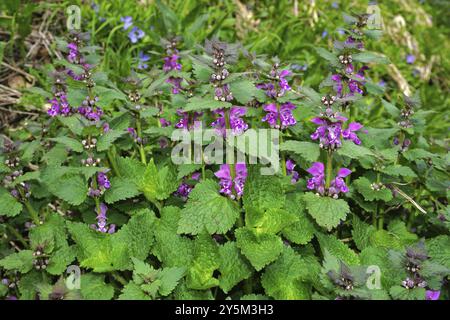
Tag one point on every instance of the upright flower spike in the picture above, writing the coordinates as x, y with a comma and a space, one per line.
237, 124
279, 119
171, 63
290, 165
102, 224
317, 182
233, 188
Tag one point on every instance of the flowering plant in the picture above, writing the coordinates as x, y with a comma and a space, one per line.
92, 182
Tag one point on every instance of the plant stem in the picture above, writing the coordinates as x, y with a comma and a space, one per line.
112, 162
34, 215
283, 158
17, 234
139, 133
329, 169
119, 278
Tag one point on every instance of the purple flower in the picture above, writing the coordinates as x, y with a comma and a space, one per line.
171, 63
164, 123
352, 84
329, 133
127, 22
106, 127
338, 185
102, 180
237, 124
196, 176
432, 295
283, 83
269, 88
290, 165
227, 183
410, 59
102, 225
317, 182
188, 122
135, 34
349, 133
285, 117
59, 106
142, 58
223, 93
176, 84
134, 135
183, 190
89, 110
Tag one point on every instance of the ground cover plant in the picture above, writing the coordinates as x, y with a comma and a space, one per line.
96, 202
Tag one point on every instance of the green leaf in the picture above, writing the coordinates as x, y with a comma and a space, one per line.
9, 206
327, 55
71, 188
199, 103
282, 280
70, 143
121, 189
439, 249
186, 169
353, 151
60, 259
270, 221
390, 108
169, 279
368, 57
233, 267
205, 262
106, 140
401, 293
21, 261
327, 212
361, 233
301, 231
93, 287
263, 192
397, 170
170, 248
131, 169
337, 249
158, 184
363, 185
243, 90
201, 71
261, 249
307, 150
206, 208
132, 291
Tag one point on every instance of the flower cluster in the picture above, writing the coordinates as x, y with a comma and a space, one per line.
237, 124
351, 85
188, 121
290, 165
222, 91
185, 188
90, 110
278, 87
171, 63
330, 131
229, 186
102, 224
103, 184
282, 118
317, 182
135, 33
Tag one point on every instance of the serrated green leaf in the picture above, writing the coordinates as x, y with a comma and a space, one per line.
121, 189
233, 267
370, 57
9, 206
70, 143
307, 150
169, 279
243, 90
207, 209
327, 212
283, 279
93, 287
261, 249
71, 188
363, 185
206, 103
397, 170
21, 261
158, 184
353, 151
337, 249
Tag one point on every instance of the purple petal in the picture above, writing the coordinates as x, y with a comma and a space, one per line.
355, 126
224, 172
316, 169
343, 172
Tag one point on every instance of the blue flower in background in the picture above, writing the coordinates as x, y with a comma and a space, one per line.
324, 33
136, 34
410, 59
127, 22
142, 59
335, 5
